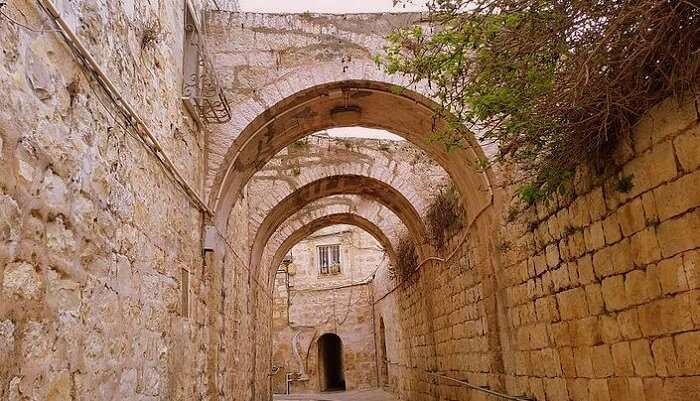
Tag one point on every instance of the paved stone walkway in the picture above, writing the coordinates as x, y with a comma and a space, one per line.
358, 395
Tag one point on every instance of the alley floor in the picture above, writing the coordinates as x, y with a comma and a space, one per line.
357, 395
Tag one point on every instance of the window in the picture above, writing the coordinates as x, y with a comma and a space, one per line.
329, 259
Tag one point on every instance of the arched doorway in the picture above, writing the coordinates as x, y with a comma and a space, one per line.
330, 362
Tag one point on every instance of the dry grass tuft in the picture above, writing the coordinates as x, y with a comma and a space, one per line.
444, 215
152, 34
406, 259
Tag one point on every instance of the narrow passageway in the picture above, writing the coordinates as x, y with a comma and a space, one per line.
202, 203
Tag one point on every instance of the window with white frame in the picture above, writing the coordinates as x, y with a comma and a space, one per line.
329, 259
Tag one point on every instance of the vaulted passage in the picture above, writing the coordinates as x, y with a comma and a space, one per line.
198, 203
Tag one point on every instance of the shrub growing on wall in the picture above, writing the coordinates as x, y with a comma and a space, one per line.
444, 215
553, 82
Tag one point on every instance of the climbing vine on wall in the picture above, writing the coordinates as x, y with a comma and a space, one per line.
553, 82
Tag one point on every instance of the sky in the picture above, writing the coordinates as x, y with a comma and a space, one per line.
325, 6
359, 132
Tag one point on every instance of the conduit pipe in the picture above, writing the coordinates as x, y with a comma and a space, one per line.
151, 142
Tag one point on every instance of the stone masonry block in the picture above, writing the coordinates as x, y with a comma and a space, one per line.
572, 304
622, 359
594, 236
651, 212
677, 197
610, 329
631, 217
594, 297
584, 267
662, 121
666, 316
583, 362
602, 361
629, 324
641, 358
687, 148
671, 274
645, 247
665, 357
673, 235
681, 389
691, 265
611, 229
614, 293
663, 159
599, 390
688, 351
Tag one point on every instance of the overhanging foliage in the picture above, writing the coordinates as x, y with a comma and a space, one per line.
553, 82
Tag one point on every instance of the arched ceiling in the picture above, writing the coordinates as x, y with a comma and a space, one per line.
384, 219
330, 220
398, 164
366, 187
348, 103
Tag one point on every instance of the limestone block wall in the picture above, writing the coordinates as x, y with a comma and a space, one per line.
601, 288
443, 319
313, 305
591, 297
98, 246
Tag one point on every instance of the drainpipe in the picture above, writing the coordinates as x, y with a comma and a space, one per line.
374, 333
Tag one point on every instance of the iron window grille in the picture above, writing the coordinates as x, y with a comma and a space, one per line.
329, 259
201, 89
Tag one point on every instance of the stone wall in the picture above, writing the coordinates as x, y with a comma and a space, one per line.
97, 243
593, 297
308, 305
105, 293
601, 288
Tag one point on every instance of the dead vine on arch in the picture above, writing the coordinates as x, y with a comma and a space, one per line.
406, 259
444, 215
553, 82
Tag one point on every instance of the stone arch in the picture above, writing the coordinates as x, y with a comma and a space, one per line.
380, 216
352, 219
366, 187
392, 162
347, 103
290, 56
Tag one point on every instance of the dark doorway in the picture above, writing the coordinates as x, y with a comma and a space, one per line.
330, 361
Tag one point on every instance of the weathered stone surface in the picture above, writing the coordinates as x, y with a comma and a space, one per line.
106, 293
22, 280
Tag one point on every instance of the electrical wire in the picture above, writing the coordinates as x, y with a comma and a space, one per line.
24, 25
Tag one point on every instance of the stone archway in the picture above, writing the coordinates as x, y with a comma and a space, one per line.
347, 103
387, 224
337, 185
330, 220
399, 164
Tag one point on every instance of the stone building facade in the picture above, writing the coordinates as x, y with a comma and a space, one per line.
137, 257
309, 304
